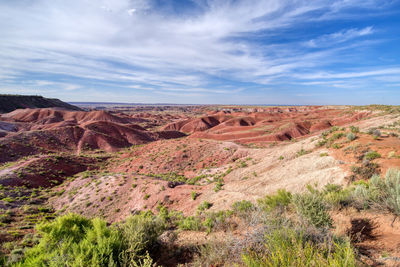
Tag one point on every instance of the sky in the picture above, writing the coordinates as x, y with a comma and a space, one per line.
290, 52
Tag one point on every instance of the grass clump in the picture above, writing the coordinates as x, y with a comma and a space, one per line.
288, 247
190, 223
302, 152
243, 206
351, 136
371, 155
204, 206
354, 129
281, 199
312, 209
73, 240
382, 194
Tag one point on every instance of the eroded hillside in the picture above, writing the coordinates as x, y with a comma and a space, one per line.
109, 164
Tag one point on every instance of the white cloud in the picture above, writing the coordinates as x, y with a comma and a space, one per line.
135, 42
339, 37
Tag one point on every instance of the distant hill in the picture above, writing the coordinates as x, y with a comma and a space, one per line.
9, 103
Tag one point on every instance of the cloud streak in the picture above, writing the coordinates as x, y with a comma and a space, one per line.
142, 45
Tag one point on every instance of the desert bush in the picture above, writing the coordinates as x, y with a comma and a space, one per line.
73, 240
336, 197
205, 205
218, 186
371, 155
351, 136
336, 146
374, 132
302, 152
281, 199
321, 143
287, 247
140, 233
193, 195
366, 171
312, 209
190, 223
383, 194
333, 129
336, 136
215, 220
354, 129
242, 206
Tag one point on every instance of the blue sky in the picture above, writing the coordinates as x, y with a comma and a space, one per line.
202, 51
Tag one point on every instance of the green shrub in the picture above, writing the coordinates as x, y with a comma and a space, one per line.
286, 248
281, 199
242, 206
73, 240
371, 155
140, 233
383, 194
204, 206
351, 136
336, 136
354, 129
366, 171
333, 129
312, 209
190, 223
218, 186
194, 195
336, 196
336, 146
321, 143
215, 219
302, 152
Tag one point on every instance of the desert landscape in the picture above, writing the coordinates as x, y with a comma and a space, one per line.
206, 183
199, 133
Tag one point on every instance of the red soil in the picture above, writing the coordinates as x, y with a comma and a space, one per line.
265, 125
352, 153
46, 171
183, 156
51, 130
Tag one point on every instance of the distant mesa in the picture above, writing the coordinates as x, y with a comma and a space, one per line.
10, 103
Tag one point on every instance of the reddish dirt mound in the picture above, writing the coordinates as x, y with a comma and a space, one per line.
47, 171
320, 126
196, 125
266, 125
52, 130
51, 115
185, 156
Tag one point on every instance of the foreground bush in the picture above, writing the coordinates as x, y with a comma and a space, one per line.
312, 209
383, 194
72, 240
286, 247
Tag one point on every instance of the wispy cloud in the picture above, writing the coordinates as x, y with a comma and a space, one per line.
339, 37
143, 46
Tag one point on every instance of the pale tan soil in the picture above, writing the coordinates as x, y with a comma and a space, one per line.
292, 173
